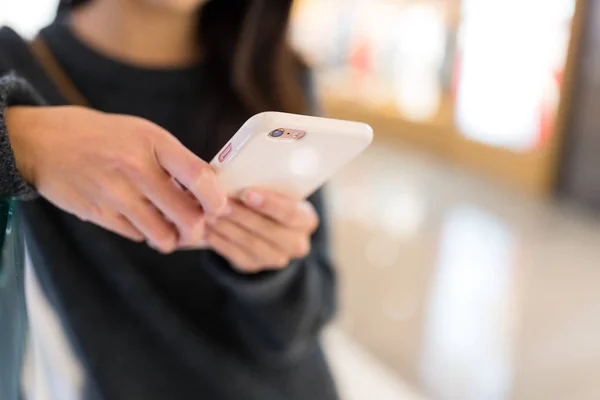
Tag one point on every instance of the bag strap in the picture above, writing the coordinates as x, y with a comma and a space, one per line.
56, 73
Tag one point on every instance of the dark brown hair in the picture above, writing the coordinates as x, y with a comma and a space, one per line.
250, 66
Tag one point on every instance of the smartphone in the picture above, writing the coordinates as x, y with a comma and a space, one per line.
287, 153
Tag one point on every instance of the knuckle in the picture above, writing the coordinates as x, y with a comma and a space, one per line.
200, 176
158, 228
142, 126
93, 212
203, 178
199, 168
290, 215
195, 224
110, 192
193, 230
131, 164
122, 200
163, 182
281, 262
164, 237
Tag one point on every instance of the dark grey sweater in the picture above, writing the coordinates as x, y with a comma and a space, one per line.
13, 91
154, 327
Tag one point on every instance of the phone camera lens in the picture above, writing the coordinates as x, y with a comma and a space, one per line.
277, 133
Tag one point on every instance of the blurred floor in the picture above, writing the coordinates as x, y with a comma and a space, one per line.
454, 288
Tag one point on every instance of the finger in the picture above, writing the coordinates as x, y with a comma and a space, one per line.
107, 219
125, 199
176, 205
239, 259
119, 225
160, 234
296, 243
282, 209
192, 172
261, 251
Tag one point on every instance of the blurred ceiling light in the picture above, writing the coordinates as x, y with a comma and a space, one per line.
418, 94
421, 43
27, 17
314, 28
421, 33
511, 52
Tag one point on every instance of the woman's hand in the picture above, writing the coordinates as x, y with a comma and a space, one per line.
115, 171
263, 231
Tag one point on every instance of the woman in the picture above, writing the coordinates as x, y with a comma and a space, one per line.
117, 309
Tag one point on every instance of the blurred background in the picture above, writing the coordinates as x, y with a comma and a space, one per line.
467, 237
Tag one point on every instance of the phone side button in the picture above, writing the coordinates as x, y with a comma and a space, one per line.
225, 153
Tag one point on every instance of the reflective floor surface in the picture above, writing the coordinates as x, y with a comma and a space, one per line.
455, 288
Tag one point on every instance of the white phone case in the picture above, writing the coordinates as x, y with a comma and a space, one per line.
295, 167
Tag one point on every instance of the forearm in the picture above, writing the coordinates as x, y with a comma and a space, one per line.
14, 91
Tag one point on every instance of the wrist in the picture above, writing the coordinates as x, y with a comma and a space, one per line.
16, 181
16, 119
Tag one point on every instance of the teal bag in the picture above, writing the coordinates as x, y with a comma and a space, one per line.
13, 316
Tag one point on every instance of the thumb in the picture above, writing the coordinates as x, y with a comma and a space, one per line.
192, 172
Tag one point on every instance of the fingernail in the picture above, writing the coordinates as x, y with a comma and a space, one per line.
253, 199
306, 207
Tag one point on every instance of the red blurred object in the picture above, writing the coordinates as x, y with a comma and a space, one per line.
360, 58
456, 74
548, 111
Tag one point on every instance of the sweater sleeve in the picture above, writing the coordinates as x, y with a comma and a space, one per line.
279, 315
14, 91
